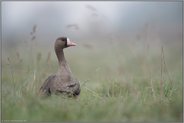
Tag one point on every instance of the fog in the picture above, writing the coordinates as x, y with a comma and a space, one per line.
128, 60
91, 21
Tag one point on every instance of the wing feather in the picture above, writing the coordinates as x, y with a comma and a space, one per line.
45, 88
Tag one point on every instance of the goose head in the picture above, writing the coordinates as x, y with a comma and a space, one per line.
64, 42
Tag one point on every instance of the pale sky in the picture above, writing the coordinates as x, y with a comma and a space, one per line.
93, 19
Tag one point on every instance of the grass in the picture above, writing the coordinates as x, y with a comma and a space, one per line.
117, 84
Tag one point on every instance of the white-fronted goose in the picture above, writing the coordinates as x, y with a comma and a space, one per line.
63, 81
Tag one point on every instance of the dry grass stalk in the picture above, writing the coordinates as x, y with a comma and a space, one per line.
33, 38
165, 66
152, 89
163, 69
48, 57
19, 60
161, 74
11, 71
34, 29
33, 41
38, 57
9, 61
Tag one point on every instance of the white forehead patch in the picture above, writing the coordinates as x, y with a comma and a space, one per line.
68, 39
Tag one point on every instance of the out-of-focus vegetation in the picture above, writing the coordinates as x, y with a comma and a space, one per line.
129, 64
119, 82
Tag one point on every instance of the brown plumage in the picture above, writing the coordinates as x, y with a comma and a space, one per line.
62, 82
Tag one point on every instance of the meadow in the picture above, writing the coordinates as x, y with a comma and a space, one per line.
120, 81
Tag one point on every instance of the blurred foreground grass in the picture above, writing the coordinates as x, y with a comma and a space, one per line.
118, 83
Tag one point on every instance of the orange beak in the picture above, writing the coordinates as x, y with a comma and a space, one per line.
69, 43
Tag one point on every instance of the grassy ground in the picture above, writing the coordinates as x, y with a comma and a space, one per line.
118, 83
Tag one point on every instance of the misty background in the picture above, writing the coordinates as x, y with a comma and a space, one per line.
99, 28
91, 21
128, 60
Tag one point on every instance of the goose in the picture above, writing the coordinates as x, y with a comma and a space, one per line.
63, 81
